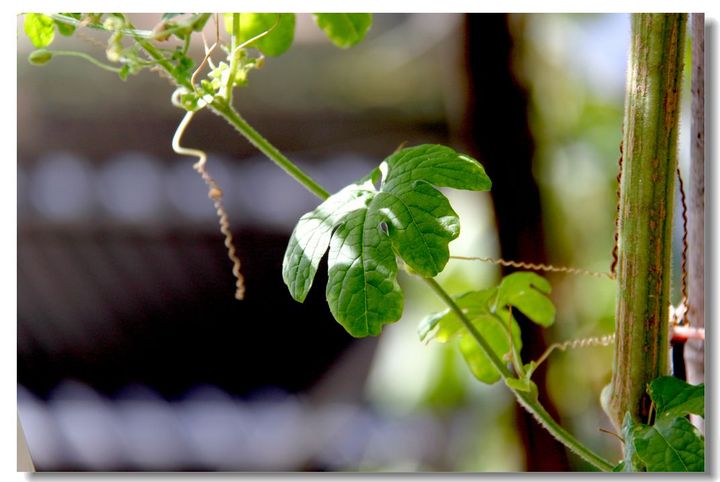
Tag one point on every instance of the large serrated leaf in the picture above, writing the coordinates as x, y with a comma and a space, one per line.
671, 443
527, 292
671, 446
366, 228
362, 292
40, 29
344, 29
676, 398
280, 28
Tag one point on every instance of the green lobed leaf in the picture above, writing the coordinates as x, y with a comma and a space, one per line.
527, 292
344, 29
362, 291
676, 398
311, 237
671, 443
366, 228
421, 223
281, 27
671, 446
40, 29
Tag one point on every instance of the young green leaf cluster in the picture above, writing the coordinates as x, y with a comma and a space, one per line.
271, 34
366, 228
490, 312
671, 443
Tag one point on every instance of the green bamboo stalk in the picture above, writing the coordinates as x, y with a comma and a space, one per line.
646, 208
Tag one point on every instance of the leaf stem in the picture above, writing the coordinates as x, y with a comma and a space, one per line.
530, 403
225, 110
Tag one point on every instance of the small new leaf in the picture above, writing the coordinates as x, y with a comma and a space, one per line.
344, 29
527, 292
280, 28
366, 228
40, 29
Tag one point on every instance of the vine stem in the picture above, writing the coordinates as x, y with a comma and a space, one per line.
647, 187
224, 109
530, 403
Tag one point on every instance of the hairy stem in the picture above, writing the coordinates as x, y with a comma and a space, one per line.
530, 403
645, 221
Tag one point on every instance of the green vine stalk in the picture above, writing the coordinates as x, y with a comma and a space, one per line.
645, 217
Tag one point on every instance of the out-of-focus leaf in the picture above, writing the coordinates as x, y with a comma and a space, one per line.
280, 28
496, 335
344, 29
521, 384
527, 292
40, 29
64, 28
443, 325
40, 57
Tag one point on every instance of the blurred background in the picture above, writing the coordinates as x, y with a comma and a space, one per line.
133, 353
